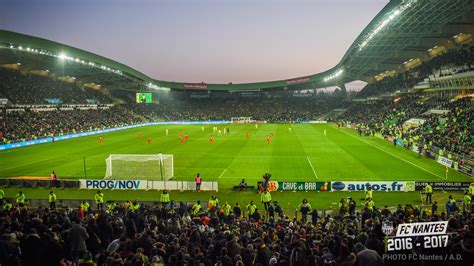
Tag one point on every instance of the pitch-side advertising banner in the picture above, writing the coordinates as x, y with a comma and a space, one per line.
113, 184
297, 186
146, 185
465, 169
374, 185
445, 161
446, 186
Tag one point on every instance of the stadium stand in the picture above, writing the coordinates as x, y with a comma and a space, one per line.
454, 61
181, 234
32, 124
173, 235
30, 121
281, 107
31, 89
448, 133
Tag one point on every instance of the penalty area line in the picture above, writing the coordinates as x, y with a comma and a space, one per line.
398, 157
312, 168
225, 170
79, 171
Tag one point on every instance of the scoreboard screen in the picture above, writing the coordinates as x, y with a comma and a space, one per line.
143, 97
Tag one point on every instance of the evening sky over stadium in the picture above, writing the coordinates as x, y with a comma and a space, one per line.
216, 41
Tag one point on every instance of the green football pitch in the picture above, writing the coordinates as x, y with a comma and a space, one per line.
303, 154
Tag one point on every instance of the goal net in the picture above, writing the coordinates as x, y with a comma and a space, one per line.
241, 120
139, 166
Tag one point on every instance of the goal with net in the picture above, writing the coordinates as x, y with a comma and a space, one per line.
140, 166
241, 120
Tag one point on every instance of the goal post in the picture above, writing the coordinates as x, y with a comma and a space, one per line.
241, 120
140, 166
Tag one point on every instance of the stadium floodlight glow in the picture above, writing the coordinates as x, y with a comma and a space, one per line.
385, 22
63, 56
334, 75
156, 87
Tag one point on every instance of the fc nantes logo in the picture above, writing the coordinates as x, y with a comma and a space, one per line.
387, 227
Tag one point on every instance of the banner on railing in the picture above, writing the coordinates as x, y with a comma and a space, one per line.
113, 184
296, 186
146, 185
446, 186
374, 185
465, 169
445, 161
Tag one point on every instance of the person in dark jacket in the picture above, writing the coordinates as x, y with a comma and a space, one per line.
264, 254
224, 258
77, 241
237, 210
248, 255
233, 247
346, 257
32, 248
278, 209
367, 256
256, 216
271, 212
314, 217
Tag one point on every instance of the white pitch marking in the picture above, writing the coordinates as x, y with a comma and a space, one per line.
225, 170
312, 168
79, 171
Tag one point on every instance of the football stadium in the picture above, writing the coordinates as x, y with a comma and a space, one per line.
102, 164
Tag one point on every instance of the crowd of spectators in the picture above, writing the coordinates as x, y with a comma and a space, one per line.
275, 109
30, 125
451, 62
34, 89
449, 130
180, 234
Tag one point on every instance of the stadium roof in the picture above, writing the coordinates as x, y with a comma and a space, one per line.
402, 30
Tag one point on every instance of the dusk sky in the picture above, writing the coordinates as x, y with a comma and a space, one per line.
215, 41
